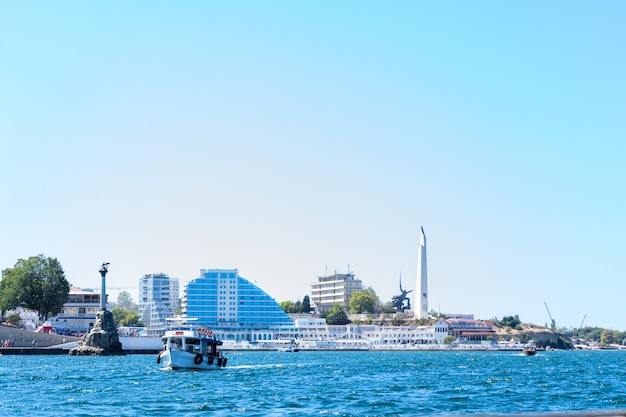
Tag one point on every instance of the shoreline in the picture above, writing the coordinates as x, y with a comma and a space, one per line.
12, 351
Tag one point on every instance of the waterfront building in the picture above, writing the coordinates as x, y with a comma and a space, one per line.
78, 314
29, 319
471, 331
236, 309
421, 304
314, 333
158, 298
384, 336
175, 294
334, 289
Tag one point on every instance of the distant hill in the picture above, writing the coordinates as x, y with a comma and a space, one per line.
541, 335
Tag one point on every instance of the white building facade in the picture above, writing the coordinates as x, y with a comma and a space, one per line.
334, 289
158, 298
314, 333
78, 314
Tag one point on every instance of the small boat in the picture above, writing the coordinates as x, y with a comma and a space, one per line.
529, 350
289, 349
189, 346
284, 346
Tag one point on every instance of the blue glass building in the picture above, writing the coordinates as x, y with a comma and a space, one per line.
232, 305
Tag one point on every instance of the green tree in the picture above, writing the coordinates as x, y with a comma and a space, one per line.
608, 337
591, 333
362, 302
14, 319
123, 317
37, 283
422, 322
118, 315
336, 315
387, 308
290, 307
131, 319
287, 306
448, 340
306, 305
365, 301
125, 301
511, 321
397, 321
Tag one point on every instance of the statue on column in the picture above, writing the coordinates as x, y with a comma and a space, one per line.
102, 339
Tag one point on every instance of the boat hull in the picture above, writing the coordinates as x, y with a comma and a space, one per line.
529, 351
178, 359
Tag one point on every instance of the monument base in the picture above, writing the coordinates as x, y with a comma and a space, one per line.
102, 339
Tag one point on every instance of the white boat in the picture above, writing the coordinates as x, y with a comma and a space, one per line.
286, 345
188, 346
289, 349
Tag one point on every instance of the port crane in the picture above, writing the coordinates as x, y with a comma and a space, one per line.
553, 323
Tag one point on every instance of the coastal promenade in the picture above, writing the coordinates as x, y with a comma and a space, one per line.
65, 351
21, 343
22, 338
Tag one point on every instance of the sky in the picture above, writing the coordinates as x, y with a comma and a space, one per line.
294, 139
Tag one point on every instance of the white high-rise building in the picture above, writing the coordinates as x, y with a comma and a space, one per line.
158, 297
421, 304
334, 289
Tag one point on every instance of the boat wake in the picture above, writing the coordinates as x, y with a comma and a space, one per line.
260, 366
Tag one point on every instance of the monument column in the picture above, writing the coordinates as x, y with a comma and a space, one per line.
422, 278
103, 293
102, 339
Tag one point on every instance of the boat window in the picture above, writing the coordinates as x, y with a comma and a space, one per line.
176, 343
192, 345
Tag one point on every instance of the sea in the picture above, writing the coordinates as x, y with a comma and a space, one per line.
317, 383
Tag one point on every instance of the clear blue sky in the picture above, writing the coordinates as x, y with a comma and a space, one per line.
287, 139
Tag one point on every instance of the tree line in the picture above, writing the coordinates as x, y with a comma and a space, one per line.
598, 335
125, 311
39, 283
365, 301
298, 307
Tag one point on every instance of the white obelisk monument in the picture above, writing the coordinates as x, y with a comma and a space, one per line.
422, 279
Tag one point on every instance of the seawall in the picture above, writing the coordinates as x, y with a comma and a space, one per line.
24, 338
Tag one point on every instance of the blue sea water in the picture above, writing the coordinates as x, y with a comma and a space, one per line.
389, 383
